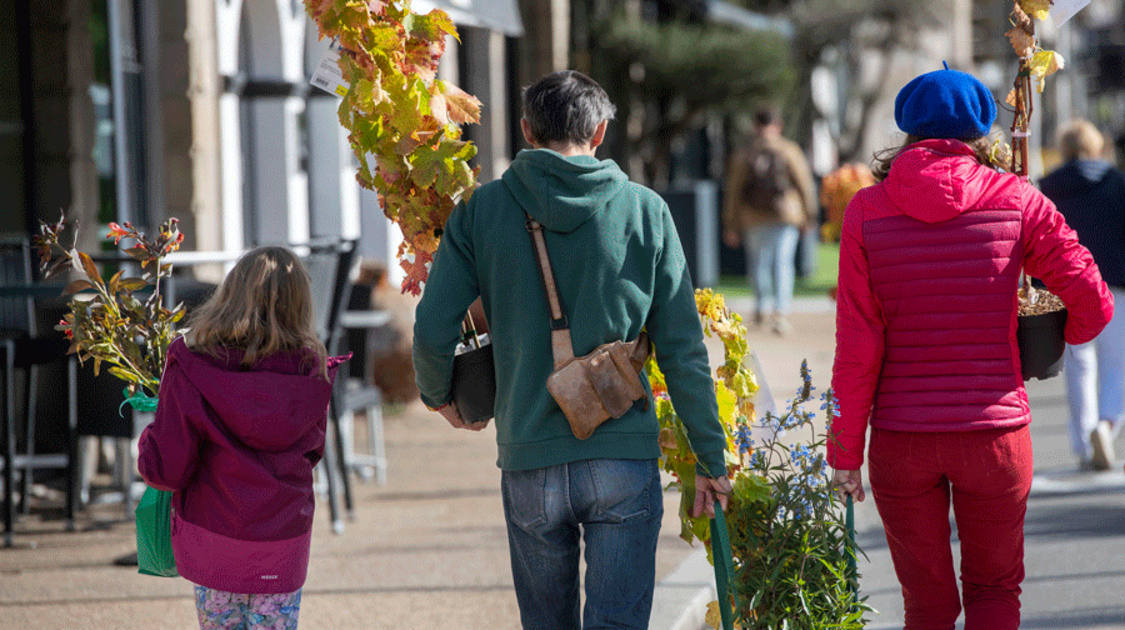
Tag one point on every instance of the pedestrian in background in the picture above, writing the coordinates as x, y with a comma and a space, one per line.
769, 199
238, 429
1090, 193
926, 352
619, 269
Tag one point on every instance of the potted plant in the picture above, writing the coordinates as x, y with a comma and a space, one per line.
794, 562
1041, 321
122, 321
404, 128
403, 123
1042, 315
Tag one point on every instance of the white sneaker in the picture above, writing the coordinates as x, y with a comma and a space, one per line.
1101, 443
781, 326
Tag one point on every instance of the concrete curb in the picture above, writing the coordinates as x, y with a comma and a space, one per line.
680, 600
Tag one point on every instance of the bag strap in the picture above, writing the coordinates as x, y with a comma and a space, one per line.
724, 565
561, 346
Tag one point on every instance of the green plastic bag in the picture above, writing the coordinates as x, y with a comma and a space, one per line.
154, 534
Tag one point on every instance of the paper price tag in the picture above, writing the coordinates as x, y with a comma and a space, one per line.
327, 75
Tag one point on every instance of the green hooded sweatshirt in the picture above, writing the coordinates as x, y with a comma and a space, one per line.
619, 269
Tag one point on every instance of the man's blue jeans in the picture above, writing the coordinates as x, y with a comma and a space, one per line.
771, 252
616, 506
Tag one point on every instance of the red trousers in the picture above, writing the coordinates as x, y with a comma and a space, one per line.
987, 474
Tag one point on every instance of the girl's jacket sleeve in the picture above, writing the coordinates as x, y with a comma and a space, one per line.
169, 447
1053, 254
859, 346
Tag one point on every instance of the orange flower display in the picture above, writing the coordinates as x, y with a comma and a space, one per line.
837, 190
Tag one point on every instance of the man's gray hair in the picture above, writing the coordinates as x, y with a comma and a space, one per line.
566, 107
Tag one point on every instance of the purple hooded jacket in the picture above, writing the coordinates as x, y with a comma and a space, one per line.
237, 446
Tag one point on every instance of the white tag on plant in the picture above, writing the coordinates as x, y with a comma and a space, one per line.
1063, 10
327, 75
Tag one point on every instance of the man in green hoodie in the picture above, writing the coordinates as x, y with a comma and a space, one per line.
619, 268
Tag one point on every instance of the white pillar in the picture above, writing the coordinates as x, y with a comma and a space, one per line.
230, 159
205, 151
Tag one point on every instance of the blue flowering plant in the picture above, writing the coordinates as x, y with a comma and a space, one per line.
794, 557
794, 565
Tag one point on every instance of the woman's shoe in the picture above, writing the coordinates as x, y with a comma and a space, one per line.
1101, 445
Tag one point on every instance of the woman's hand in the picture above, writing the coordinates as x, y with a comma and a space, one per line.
846, 482
707, 490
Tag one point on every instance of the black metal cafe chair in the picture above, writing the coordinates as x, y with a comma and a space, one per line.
23, 349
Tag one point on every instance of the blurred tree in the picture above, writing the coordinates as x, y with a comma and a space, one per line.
856, 40
668, 69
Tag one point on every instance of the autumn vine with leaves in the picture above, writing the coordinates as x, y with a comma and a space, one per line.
402, 122
1037, 63
1034, 62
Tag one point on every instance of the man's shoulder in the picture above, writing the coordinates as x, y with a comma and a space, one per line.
492, 189
487, 196
790, 148
644, 195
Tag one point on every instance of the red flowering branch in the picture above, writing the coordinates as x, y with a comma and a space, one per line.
112, 324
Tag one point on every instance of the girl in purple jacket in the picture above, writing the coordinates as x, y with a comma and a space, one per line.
239, 427
926, 352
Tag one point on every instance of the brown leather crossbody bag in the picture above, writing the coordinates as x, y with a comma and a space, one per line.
593, 388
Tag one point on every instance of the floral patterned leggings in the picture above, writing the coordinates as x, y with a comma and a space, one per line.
220, 610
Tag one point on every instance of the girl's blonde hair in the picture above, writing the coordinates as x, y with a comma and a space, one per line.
1080, 139
263, 306
881, 166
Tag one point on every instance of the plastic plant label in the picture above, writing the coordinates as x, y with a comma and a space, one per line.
1063, 10
327, 75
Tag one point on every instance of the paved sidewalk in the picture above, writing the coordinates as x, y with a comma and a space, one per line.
429, 549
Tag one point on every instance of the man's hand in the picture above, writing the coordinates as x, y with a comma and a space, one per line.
846, 482
731, 239
453, 416
706, 491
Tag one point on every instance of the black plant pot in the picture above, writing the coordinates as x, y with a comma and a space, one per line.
1041, 344
474, 384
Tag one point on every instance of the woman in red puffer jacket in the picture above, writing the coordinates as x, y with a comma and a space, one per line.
926, 351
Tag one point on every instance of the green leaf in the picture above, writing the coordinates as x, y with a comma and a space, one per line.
124, 374
434, 163
132, 284
408, 103
431, 27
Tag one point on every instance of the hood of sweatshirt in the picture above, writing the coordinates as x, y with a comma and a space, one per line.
1077, 177
936, 180
561, 192
269, 406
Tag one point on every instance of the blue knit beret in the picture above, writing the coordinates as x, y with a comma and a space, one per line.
945, 104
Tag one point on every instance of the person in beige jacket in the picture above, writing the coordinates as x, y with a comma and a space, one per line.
769, 199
